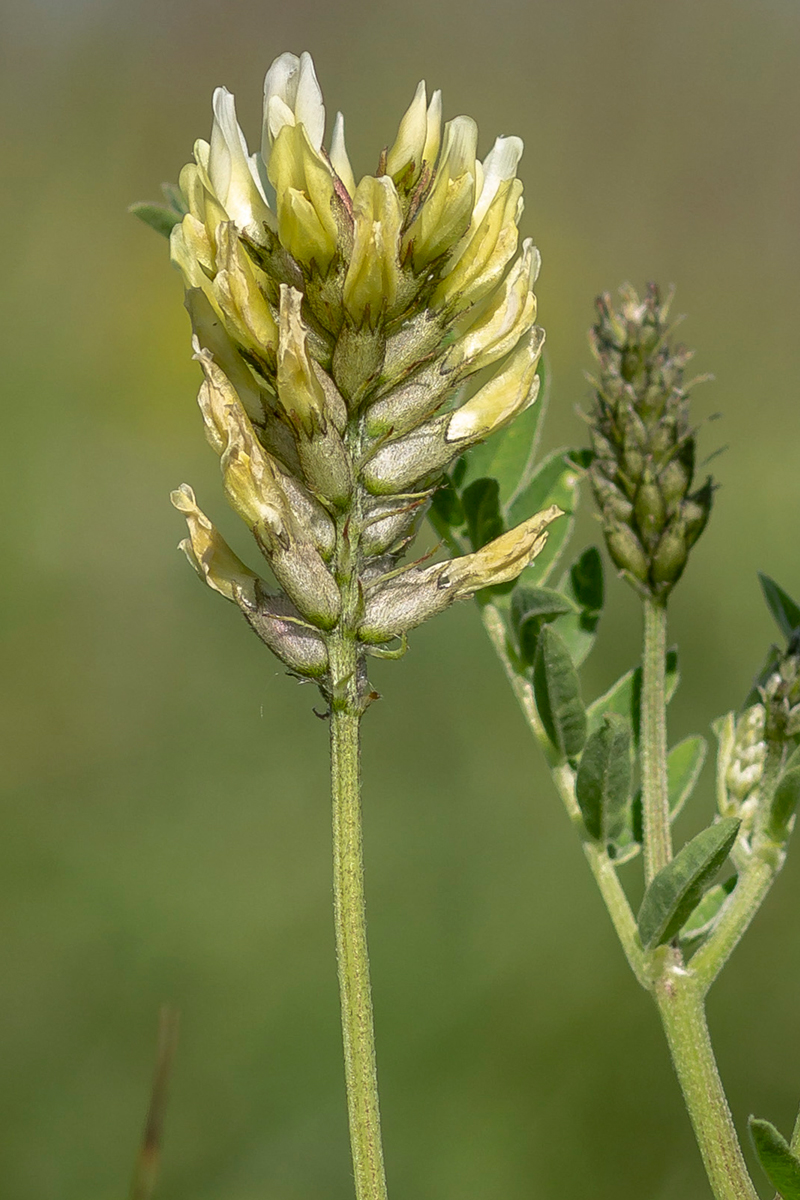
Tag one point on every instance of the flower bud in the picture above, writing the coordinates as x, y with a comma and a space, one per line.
509, 314
239, 296
231, 172
417, 141
626, 550
513, 389
372, 280
292, 96
649, 508
445, 215
746, 765
305, 189
280, 626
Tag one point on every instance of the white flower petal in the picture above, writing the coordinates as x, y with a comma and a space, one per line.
280, 82
339, 157
434, 135
278, 114
499, 165
308, 106
411, 134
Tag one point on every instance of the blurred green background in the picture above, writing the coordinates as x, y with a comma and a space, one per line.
165, 827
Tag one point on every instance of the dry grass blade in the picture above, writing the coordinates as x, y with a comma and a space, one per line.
145, 1172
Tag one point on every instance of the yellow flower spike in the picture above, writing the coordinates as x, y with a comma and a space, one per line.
333, 418
238, 293
371, 283
210, 554
299, 390
388, 295
513, 389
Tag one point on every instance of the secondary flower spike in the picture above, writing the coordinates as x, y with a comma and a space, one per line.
339, 324
644, 446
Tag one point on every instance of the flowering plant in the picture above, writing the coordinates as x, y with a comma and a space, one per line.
369, 356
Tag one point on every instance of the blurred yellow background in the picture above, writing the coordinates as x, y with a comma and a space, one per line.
165, 812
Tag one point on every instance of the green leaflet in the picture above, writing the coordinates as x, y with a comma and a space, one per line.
157, 216
558, 696
446, 510
781, 605
555, 482
481, 505
684, 764
676, 890
784, 803
781, 1167
509, 455
582, 583
603, 782
704, 917
624, 697
531, 608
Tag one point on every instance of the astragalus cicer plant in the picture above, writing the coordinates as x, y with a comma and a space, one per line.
369, 355
339, 326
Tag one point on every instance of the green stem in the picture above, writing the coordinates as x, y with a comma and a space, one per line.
606, 878
753, 884
351, 932
655, 794
680, 1002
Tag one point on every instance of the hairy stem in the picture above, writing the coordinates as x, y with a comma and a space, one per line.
352, 958
680, 1002
754, 882
655, 795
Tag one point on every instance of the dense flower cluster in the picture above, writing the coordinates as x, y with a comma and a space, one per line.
337, 325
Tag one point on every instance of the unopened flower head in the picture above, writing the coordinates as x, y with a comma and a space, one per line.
644, 445
339, 323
